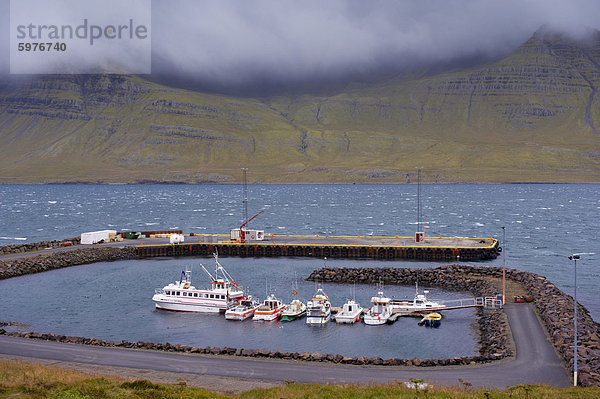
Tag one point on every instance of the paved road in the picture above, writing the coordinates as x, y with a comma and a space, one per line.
536, 362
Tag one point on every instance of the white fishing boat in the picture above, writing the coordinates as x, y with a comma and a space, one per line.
350, 313
244, 310
419, 305
222, 294
269, 310
380, 312
318, 310
294, 310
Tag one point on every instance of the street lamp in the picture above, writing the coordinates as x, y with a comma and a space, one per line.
574, 258
504, 270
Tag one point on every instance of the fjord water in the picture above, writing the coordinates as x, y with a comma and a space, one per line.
544, 224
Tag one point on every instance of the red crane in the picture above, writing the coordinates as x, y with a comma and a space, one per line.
242, 232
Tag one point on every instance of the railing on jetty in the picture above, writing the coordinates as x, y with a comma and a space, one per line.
488, 302
491, 302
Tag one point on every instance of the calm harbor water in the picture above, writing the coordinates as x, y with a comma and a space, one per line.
113, 301
544, 224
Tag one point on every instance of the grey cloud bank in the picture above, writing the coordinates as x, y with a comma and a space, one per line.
233, 44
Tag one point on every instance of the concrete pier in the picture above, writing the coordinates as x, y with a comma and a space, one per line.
320, 246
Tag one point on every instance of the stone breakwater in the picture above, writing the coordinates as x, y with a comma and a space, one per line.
554, 307
56, 260
37, 246
493, 318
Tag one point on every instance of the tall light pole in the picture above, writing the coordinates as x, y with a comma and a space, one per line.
504, 270
245, 199
574, 258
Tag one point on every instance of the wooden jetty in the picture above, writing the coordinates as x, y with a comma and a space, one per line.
321, 246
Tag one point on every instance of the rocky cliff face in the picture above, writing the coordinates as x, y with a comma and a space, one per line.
532, 116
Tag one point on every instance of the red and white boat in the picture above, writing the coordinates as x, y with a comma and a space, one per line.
244, 310
222, 294
270, 309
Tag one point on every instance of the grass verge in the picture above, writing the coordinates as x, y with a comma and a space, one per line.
20, 379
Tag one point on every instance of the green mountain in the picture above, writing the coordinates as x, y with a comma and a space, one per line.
533, 116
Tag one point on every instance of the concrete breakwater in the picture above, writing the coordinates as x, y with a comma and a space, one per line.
56, 260
554, 307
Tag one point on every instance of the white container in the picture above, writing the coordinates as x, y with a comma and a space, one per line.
94, 237
250, 235
176, 238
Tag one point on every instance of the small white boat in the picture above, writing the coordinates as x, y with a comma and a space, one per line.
295, 310
318, 309
380, 312
350, 313
270, 309
244, 310
222, 294
419, 305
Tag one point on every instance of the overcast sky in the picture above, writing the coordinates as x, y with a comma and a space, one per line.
248, 42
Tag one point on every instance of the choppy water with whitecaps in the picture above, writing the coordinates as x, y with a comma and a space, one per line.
544, 224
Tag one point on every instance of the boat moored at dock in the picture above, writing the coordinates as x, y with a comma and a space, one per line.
269, 310
431, 320
295, 310
222, 294
318, 308
350, 313
418, 306
380, 312
244, 310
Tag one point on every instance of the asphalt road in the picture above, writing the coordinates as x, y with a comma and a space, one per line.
535, 362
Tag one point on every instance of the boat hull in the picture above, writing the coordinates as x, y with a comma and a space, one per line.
373, 321
318, 319
185, 307
239, 316
347, 318
376, 320
292, 317
266, 317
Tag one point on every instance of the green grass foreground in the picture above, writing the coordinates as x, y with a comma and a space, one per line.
28, 380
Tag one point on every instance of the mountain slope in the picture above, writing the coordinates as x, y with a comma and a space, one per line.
532, 116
